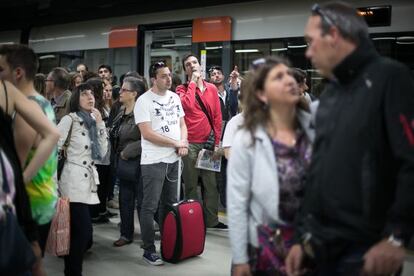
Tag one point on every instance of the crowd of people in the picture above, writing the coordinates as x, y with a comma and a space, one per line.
311, 186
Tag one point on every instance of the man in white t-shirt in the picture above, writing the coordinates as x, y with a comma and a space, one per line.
160, 118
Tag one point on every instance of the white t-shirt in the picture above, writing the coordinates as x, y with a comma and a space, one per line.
231, 128
164, 113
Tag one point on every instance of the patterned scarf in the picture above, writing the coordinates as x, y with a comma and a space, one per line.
90, 124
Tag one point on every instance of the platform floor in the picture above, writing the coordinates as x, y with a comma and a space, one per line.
105, 260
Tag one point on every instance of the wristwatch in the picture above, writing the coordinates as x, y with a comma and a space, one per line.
395, 241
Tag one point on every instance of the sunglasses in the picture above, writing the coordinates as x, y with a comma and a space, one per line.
317, 10
257, 63
157, 65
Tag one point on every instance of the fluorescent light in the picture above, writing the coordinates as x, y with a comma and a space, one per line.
214, 48
247, 51
384, 38
405, 40
47, 56
175, 45
41, 40
70, 37
279, 49
297, 46
7, 42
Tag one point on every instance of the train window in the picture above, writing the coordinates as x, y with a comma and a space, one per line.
245, 52
214, 53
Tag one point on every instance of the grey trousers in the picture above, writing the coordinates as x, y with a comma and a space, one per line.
159, 190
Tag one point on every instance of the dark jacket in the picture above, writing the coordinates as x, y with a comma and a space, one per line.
361, 181
128, 140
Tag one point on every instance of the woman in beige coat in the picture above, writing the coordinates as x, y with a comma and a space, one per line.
79, 178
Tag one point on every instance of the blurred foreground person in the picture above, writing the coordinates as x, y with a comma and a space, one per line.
357, 214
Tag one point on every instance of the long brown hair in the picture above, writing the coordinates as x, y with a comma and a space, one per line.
256, 112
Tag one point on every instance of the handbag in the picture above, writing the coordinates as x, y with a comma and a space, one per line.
210, 143
58, 241
15, 250
128, 169
62, 152
274, 242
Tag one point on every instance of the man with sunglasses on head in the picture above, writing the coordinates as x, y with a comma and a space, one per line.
160, 118
357, 214
203, 115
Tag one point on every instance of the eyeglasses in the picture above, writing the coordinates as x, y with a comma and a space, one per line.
316, 9
125, 90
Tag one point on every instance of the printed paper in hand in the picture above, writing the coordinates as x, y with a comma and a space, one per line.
205, 161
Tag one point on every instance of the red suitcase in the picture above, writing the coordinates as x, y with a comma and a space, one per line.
184, 230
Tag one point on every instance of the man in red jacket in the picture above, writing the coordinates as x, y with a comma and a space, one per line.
199, 125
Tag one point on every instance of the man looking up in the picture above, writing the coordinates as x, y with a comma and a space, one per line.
199, 126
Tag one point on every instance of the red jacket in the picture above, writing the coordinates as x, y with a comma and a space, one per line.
197, 123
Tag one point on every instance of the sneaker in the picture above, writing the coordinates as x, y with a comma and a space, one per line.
219, 226
152, 258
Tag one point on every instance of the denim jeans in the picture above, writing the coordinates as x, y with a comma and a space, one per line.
159, 183
210, 192
130, 193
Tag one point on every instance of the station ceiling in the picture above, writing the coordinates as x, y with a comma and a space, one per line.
24, 14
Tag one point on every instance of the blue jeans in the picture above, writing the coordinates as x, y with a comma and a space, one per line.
130, 194
159, 183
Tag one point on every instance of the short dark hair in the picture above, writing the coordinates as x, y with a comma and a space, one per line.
215, 67
106, 67
188, 56
97, 86
344, 17
19, 55
74, 105
60, 77
299, 75
153, 70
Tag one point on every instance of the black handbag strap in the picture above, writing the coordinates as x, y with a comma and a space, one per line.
67, 141
200, 102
